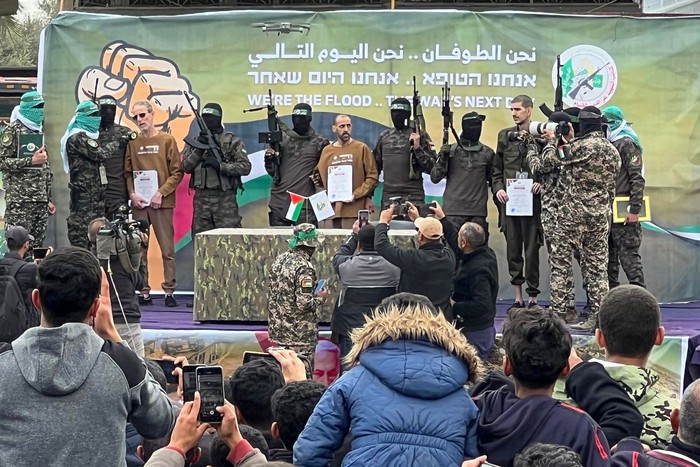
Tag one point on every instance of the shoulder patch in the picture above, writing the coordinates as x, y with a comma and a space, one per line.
6, 139
306, 284
92, 143
132, 135
635, 160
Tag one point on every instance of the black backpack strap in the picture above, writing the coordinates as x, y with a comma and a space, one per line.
16, 268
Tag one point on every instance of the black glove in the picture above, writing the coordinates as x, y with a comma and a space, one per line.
212, 162
203, 138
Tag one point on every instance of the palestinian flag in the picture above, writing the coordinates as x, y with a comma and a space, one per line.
296, 203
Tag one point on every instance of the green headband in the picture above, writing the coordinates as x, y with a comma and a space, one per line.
302, 237
400, 107
107, 101
210, 111
301, 112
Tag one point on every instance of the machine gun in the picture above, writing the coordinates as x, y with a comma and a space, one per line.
558, 94
447, 116
273, 136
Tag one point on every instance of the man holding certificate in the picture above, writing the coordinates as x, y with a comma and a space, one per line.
348, 171
152, 171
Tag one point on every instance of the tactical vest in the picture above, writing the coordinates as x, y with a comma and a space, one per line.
208, 178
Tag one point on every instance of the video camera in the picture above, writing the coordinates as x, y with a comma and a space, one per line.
401, 207
538, 129
122, 238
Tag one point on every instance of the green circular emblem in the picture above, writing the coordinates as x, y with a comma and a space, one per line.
92, 143
6, 139
132, 135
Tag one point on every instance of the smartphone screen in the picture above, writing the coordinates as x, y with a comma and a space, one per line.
363, 217
168, 367
250, 356
210, 384
40, 253
319, 286
189, 382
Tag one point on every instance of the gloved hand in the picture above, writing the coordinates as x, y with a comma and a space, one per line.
212, 162
203, 138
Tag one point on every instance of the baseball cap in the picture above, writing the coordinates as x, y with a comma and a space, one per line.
430, 227
19, 234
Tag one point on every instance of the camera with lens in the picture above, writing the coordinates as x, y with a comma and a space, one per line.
122, 238
400, 207
559, 129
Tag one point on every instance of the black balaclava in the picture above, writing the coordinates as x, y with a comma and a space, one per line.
212, 114
400, 112
301, 118
471, 128
108, 110
590, 120
573, 113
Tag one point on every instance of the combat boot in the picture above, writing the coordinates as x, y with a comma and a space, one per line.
570, 316
587, 326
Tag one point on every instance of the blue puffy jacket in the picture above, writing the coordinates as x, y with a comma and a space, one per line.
405, 402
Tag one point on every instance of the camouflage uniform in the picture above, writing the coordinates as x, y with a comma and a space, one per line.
468, 174
116, 136
299, 156
215, 204
625, 239
27, 188
403, 167
588, 168
292, 306
87, 190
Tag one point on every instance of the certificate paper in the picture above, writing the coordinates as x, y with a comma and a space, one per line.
321, 205
519, 191
339, 183
146, 184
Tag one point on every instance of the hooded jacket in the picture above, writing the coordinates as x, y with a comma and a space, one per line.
66, 395
508, 424
404, 398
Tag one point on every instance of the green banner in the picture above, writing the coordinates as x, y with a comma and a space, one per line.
356, 62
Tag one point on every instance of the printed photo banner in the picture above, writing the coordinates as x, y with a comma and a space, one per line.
357, 62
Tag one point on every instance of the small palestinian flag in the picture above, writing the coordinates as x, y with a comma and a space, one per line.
296, 203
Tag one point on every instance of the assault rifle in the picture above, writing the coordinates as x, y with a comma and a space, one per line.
212, 147
447, 116
558, 94
273, 136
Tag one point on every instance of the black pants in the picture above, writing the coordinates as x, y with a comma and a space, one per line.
523, 233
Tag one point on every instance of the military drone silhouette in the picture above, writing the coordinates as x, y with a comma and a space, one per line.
282, 28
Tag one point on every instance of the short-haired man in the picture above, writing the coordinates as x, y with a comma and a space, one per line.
537, 346
475, 284
366, 279
547, 455
684, 450
425, 271
13, 264
252, 387
292, 407
154, 150
521, 232
69, 385
348, 154
629, 320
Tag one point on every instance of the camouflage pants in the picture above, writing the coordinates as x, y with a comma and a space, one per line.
565, 283
623, 249
78, 222
215, 209
31, 216
591, 239
458, 221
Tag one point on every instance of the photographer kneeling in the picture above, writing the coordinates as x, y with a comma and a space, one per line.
425, 271
118, 247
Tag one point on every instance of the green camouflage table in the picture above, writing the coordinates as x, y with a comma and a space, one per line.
231, 268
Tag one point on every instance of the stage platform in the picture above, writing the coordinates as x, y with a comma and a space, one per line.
172, 331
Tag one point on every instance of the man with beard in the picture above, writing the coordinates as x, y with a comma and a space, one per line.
404, 155
115, 193
27, 180
467, 166
588, 168
215, 181
522, 233
83, 159
347, 152
300, 151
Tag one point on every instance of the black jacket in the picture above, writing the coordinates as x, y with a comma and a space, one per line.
126, 284
425, 271
630, 453
475, 284
366, 280
27, 281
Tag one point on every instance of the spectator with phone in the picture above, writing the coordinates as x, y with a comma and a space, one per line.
366, 279
14, 264
404, 396
74, 371
122, 286
427, 270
